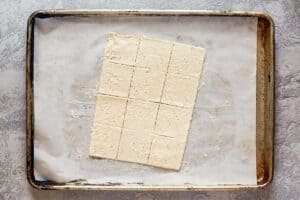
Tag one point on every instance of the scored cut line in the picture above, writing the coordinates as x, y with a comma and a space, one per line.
137, 51
164, 84
162, 91
138, 99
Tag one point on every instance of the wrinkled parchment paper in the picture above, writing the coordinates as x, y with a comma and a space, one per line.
221, 145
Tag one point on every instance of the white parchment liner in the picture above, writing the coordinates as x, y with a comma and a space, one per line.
67, 60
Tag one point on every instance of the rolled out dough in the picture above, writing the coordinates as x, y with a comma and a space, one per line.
145, 101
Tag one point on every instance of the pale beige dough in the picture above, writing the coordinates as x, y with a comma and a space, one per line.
167, 152
135, 146
154, 54
115, 79
186, 60
147, 85
121, 48
104, 141
146, 97
180, 90
173, 121
110, 110
140, 115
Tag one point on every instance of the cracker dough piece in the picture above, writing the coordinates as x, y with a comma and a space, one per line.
104, 141
110, 110
180, 90
173, 121
115, 79
135, 146
121, 48
140, 115
166, 152
154, 54
147, 85
187, 60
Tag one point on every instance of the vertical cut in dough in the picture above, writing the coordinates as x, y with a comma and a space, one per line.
147, 95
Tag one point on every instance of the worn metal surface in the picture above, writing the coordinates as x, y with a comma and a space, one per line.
286, 180
264, 100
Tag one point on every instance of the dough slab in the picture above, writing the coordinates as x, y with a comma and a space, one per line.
145, 100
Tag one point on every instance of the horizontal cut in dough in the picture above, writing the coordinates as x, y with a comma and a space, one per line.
147, 95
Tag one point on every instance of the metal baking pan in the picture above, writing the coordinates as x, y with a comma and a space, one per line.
264, 99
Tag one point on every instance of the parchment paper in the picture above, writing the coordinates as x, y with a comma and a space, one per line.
221, 144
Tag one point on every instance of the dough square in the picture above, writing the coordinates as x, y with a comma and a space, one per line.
115, 79
146, 85
140, 115
154, 54
180, 90
134, 146
110, 110
122, 48
166, 152
104, 141
173, 121
186, 60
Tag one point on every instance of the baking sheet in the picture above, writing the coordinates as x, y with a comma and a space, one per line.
221, 145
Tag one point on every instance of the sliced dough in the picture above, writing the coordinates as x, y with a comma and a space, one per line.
135, 146
147, 85
104, 141
180, 90
140, 115
148, 89
173, 121
115, 79
154, 54
187, 60
121, 48
167, 152
110, 110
